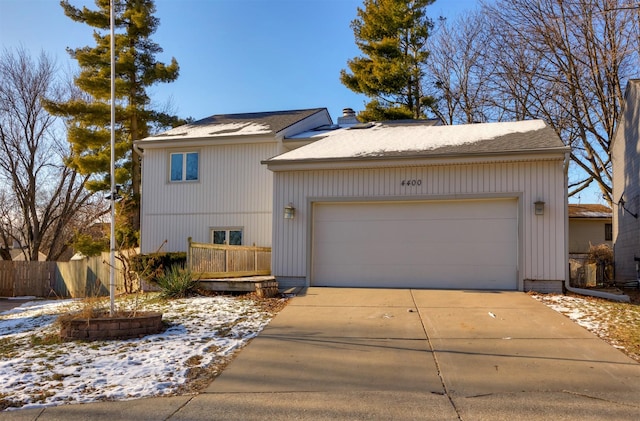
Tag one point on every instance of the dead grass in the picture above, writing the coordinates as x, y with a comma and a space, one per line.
617, 323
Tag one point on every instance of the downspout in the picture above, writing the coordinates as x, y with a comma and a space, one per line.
140, 153
567, 286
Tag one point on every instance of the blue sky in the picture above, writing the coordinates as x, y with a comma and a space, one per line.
234, 55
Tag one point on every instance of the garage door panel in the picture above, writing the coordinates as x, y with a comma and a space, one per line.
448, 244
397, 232
409, 254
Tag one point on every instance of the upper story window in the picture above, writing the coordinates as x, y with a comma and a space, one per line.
184, 166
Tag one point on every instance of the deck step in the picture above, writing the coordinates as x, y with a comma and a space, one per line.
263, 286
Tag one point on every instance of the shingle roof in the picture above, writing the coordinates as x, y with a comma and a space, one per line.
217, 125
589, 211
401, 140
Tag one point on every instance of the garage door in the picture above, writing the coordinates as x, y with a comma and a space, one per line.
461, 244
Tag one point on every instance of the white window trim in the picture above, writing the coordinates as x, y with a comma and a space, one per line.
184, 154
228, 233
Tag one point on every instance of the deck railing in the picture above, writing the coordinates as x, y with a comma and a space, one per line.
211, 261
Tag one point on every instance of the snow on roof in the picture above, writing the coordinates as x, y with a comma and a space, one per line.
228, 129
383, 139
589, 211
244, 124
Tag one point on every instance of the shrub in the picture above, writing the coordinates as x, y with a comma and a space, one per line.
177, 282
600, 253
151, 266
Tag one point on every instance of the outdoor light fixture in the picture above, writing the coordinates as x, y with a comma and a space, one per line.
289, 211
539, 207
621, 203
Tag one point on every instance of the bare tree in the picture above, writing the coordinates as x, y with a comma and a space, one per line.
41, 197
566, 62
458, 73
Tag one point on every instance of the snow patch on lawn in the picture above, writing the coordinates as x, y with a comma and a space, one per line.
582, 311
201, 331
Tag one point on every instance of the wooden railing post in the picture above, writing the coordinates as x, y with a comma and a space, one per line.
189, 257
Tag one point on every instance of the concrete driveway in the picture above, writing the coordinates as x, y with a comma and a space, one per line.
338, 353
381, 354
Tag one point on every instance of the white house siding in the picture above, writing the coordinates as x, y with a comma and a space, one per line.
542, 254
626, 180
234, 190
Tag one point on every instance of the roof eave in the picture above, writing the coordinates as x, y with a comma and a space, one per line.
159, 143
431, 158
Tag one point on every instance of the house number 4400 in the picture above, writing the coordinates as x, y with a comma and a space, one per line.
412, 182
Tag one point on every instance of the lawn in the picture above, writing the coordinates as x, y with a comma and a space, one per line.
202, 336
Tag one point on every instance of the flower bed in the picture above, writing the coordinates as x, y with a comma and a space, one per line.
106, 327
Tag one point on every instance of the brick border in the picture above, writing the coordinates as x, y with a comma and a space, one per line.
105, 328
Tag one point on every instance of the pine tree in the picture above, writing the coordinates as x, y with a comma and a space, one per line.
136, 70
392, 35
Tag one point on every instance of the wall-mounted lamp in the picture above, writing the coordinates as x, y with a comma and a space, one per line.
289, 211
621, 203
538, 207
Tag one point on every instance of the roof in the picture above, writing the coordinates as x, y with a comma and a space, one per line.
379, 140
589, 211
263, 123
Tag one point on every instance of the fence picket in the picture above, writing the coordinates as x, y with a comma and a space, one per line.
76, 279
208, 261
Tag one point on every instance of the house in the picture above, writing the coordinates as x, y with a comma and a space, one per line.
625, 158
18, 255
391, 204
204, 180
479, 206
589, 224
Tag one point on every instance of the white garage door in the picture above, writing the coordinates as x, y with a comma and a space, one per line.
461, 244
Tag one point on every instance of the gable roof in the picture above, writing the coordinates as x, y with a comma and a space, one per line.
244, 124
388, 140
589, 211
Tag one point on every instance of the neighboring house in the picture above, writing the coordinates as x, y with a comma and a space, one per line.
479, 206
17, 255
589, 224
625, 158
204, 180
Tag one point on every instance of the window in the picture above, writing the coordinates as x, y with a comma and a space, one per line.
184, 166
608, 232
231, 236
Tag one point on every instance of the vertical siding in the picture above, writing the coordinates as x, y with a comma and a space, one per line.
234, 190
625, 157
542, 242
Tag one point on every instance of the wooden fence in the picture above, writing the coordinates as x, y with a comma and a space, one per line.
88, 277
211, 261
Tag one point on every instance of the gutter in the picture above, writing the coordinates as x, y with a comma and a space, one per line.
600, 294
138, 150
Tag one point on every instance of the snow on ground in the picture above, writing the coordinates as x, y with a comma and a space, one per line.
578, 309
35, 372
203, 331
602, 317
